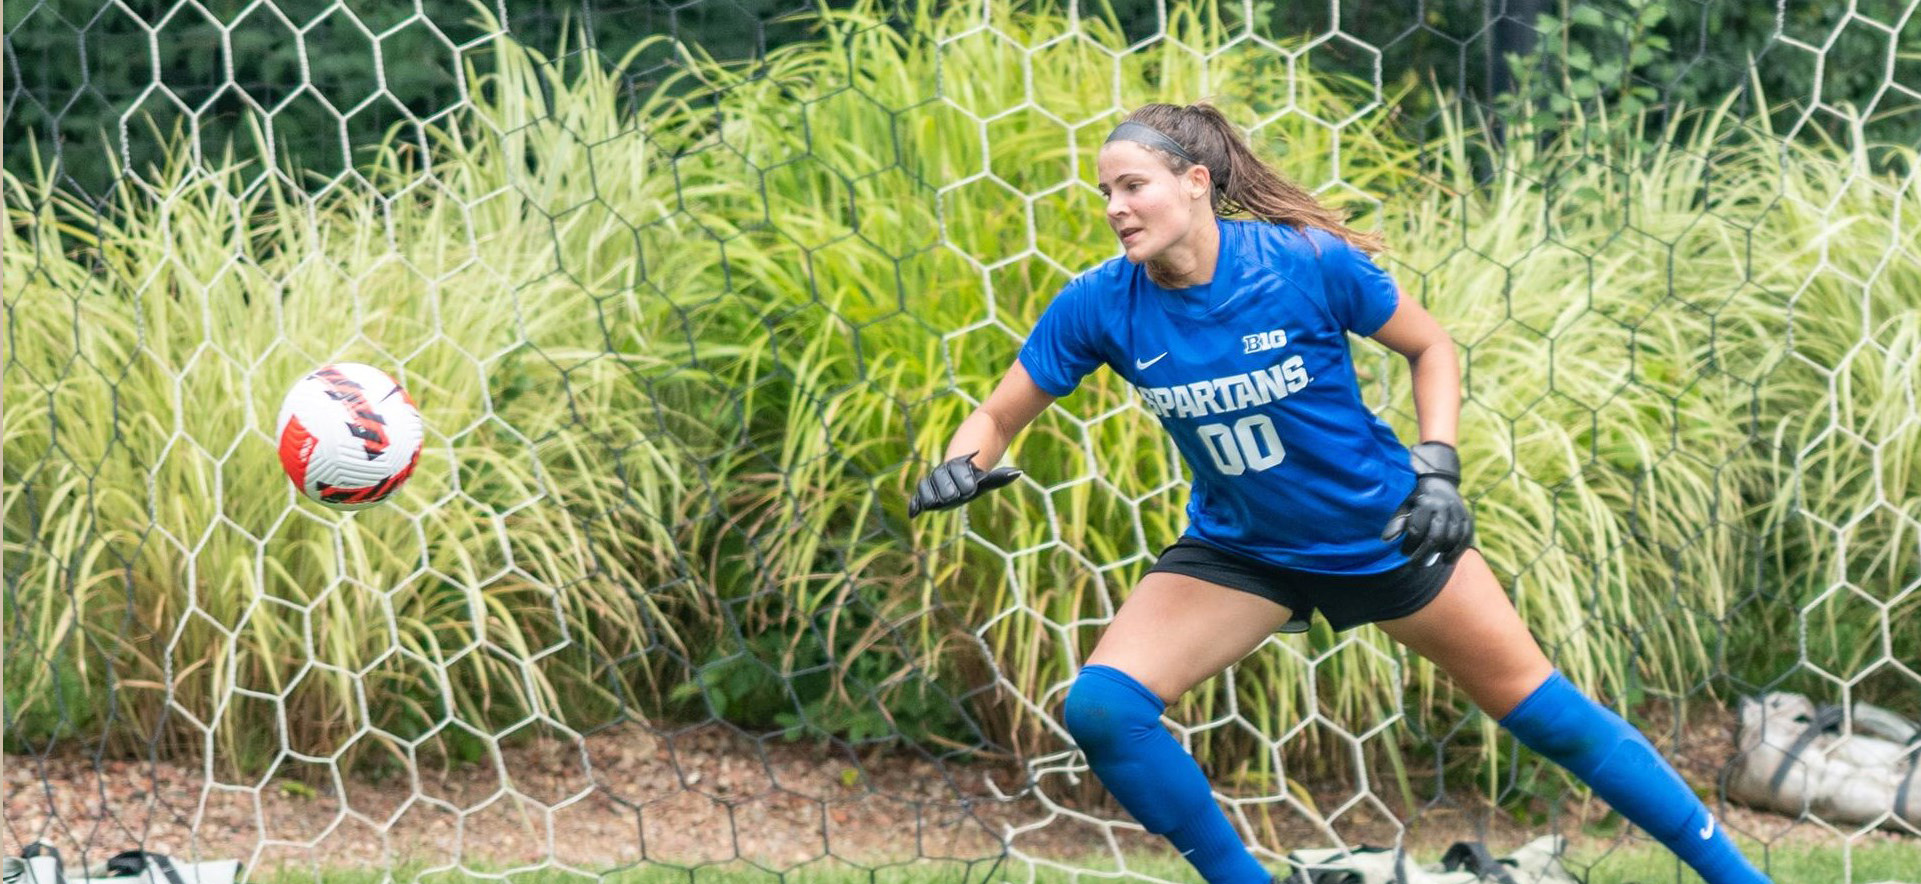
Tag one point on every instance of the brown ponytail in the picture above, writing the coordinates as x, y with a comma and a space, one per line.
1242, 183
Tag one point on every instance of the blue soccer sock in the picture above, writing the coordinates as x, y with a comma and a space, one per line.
1117, 722
1610, 755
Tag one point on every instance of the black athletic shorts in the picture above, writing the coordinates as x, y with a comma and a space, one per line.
1345, 600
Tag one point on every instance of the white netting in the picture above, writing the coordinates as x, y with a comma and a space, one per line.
687, 305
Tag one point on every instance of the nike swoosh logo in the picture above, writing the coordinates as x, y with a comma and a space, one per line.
1707, 831
1143, 366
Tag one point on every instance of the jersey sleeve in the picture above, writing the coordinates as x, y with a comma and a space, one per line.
1062, 349
1359, 293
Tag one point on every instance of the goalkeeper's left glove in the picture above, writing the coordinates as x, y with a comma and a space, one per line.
1433, 522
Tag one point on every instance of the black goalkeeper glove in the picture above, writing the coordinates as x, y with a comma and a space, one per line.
956, 482
1433, 521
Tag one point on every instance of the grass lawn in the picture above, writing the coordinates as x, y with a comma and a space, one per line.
1798, 864
1874, 863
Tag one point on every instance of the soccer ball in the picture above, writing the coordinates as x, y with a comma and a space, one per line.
349, 435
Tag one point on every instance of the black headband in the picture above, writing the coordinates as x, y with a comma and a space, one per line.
1141, 133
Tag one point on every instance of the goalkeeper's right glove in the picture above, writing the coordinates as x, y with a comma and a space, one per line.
956, 482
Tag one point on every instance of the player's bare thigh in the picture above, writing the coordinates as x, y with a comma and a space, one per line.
1175, 632
1473, 633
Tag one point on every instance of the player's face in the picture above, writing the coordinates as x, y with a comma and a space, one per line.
1149, 207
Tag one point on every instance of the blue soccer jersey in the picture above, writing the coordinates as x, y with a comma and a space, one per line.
1251, 374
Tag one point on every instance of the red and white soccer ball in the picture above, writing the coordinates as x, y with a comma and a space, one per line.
349, 435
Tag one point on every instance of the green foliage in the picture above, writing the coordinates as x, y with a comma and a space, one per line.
98, 76
799, 686
91, 70
1613, 60
46, 704
1597, 57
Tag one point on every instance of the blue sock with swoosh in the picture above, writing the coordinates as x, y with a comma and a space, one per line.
1610, 755
1117, 722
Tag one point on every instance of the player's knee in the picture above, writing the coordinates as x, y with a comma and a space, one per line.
1608, 753
1105, 707
1560, 722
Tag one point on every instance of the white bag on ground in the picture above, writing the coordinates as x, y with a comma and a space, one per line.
1467, 862
1793, 759
42, 865
43, 869
144, 867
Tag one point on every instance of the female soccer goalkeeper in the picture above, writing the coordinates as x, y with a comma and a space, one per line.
1235, 335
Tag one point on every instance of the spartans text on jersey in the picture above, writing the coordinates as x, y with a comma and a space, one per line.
1227, 394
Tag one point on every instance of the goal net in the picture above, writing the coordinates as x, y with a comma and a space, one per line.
690, 294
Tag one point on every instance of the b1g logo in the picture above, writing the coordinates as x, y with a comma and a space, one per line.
1267, 340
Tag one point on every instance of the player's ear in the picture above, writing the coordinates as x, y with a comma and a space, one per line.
1199, 180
